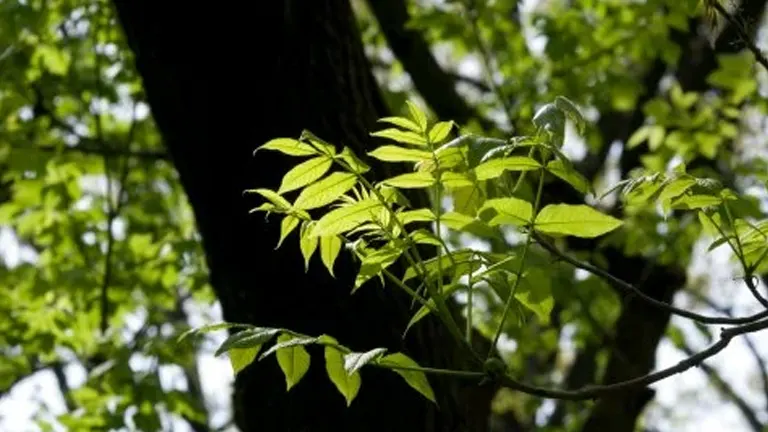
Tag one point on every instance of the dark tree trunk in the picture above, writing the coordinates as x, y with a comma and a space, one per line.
223, 79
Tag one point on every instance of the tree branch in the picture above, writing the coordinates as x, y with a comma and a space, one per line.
414, 53
631, 289
749, 414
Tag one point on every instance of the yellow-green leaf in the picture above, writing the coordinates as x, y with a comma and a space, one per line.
496, 167
325, 191
575, 220
392, 153
453, 180
294, 361
440, 131
347, 384
569, 175
513, 211
408, 369
417, 115
345, 218
242, 357
287, 225
411, 180
330, 246
403, 137
289, 146
402, 122
307, 243
279, 202
304, 173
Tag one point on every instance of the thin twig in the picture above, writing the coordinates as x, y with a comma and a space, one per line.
761, 363
747, 411
595, 391
741, 31
627, 287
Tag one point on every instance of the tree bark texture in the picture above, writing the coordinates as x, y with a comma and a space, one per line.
223, 79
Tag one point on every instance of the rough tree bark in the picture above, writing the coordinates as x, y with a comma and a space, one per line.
222, 80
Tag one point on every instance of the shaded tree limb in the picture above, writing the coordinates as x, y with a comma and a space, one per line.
436, 86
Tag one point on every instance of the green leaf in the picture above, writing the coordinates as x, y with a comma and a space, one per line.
355, 164
422, 236
448, 290
496, 167
354, 361
576, 220
372, 264
569, 108
307, 243
345, 218
289, 146
637, 138
417, 115
325, 191
418, 215
347, 384
279, 202
453, 180
411, 180
291, 341
249, 338
322, 146
569, 175
512, 211
707, 225
330, 245
392, 153
673, 190
468, 224
534, 292
293, 360
414, 378
403, 137
692, 202
287, 225
402, 122
304, 173
211, 328
440, 132
240, 358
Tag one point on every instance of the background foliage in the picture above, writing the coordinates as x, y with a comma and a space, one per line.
103, 268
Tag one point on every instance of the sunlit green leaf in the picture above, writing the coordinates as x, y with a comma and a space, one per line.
411, 180
400, 136
304, 174
293, 361
408, 369
287, 225
496, 167
289, 146
440, 132
391, 153
417, 115
249, 338
330, 246
402, 122
240, 358
347, 384
576, 220
512, 211
325, 191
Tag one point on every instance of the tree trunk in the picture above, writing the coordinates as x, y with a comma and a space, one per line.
222, 80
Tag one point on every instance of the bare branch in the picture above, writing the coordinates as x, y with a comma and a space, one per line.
627, 287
